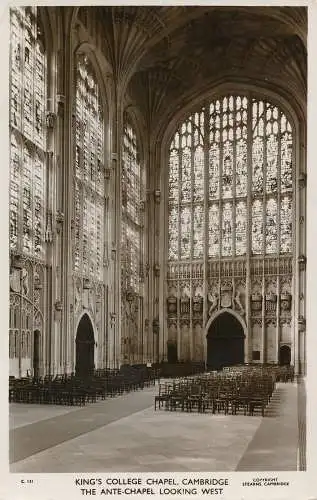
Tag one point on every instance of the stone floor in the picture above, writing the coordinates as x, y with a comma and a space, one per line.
125, 434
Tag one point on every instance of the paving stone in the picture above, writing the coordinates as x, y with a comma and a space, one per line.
126, 435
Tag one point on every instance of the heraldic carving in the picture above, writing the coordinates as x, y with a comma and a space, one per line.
226, 294
213, 300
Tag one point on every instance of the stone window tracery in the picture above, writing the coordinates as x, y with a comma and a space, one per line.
89, 172
132, 223
27, 132
238, 151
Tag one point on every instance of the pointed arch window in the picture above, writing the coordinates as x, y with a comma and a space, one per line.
231, 181
132, 212
28, 66
88, 172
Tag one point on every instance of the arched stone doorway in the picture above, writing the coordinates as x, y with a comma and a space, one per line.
171, 352
225, 342
285, 355
85, 348
36, 353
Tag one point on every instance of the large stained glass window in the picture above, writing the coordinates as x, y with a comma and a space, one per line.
132, 197
27, 132
89, 173
231, 181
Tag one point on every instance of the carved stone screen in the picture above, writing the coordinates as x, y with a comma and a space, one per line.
230, 206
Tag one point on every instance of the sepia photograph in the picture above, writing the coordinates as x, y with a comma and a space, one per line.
157, 241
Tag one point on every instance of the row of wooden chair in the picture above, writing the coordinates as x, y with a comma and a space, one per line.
73, 390
227, 392
179, 369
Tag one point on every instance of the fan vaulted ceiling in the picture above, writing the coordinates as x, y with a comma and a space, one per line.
169, 55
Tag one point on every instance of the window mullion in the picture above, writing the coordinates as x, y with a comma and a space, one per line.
206, 185
264, 181
234, 198
192, 181
249, 177
180, 165
20, 199
220, 183
21, 136
278, 214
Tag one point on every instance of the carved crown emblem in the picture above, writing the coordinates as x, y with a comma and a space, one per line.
271, 297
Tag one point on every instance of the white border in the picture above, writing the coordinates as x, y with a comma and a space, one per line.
303, 485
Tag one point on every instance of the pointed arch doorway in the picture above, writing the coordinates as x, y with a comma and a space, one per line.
285, 355
225, 341
85, 347
36, 353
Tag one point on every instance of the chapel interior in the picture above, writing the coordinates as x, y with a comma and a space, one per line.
157, 238
157, 187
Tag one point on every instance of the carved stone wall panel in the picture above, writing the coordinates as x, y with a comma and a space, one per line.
14, 300
184, 286
285, 266
226, 293
270, 296
130, 329
286, 284
198, 351
184, 271
92, 300
38, 321
286, 333
184, 298
172, 330
15, 280
172, 289
28, 285
197, 271
85, 298
39, 286
285, 295
185, 340
172, 306
270, 322
226, 268
240, 268
256, 285
256, 297
213, 285
37, 296
213, 297
256, 334
213, 269
239, 300
78, 294
99, 307
185, 306
256, 267
197, 287
271, 342
285, 303
197, 305
270, 284
27, 279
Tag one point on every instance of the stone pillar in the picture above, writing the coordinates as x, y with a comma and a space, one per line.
61, 207
299, 261
116, 222
158, 334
